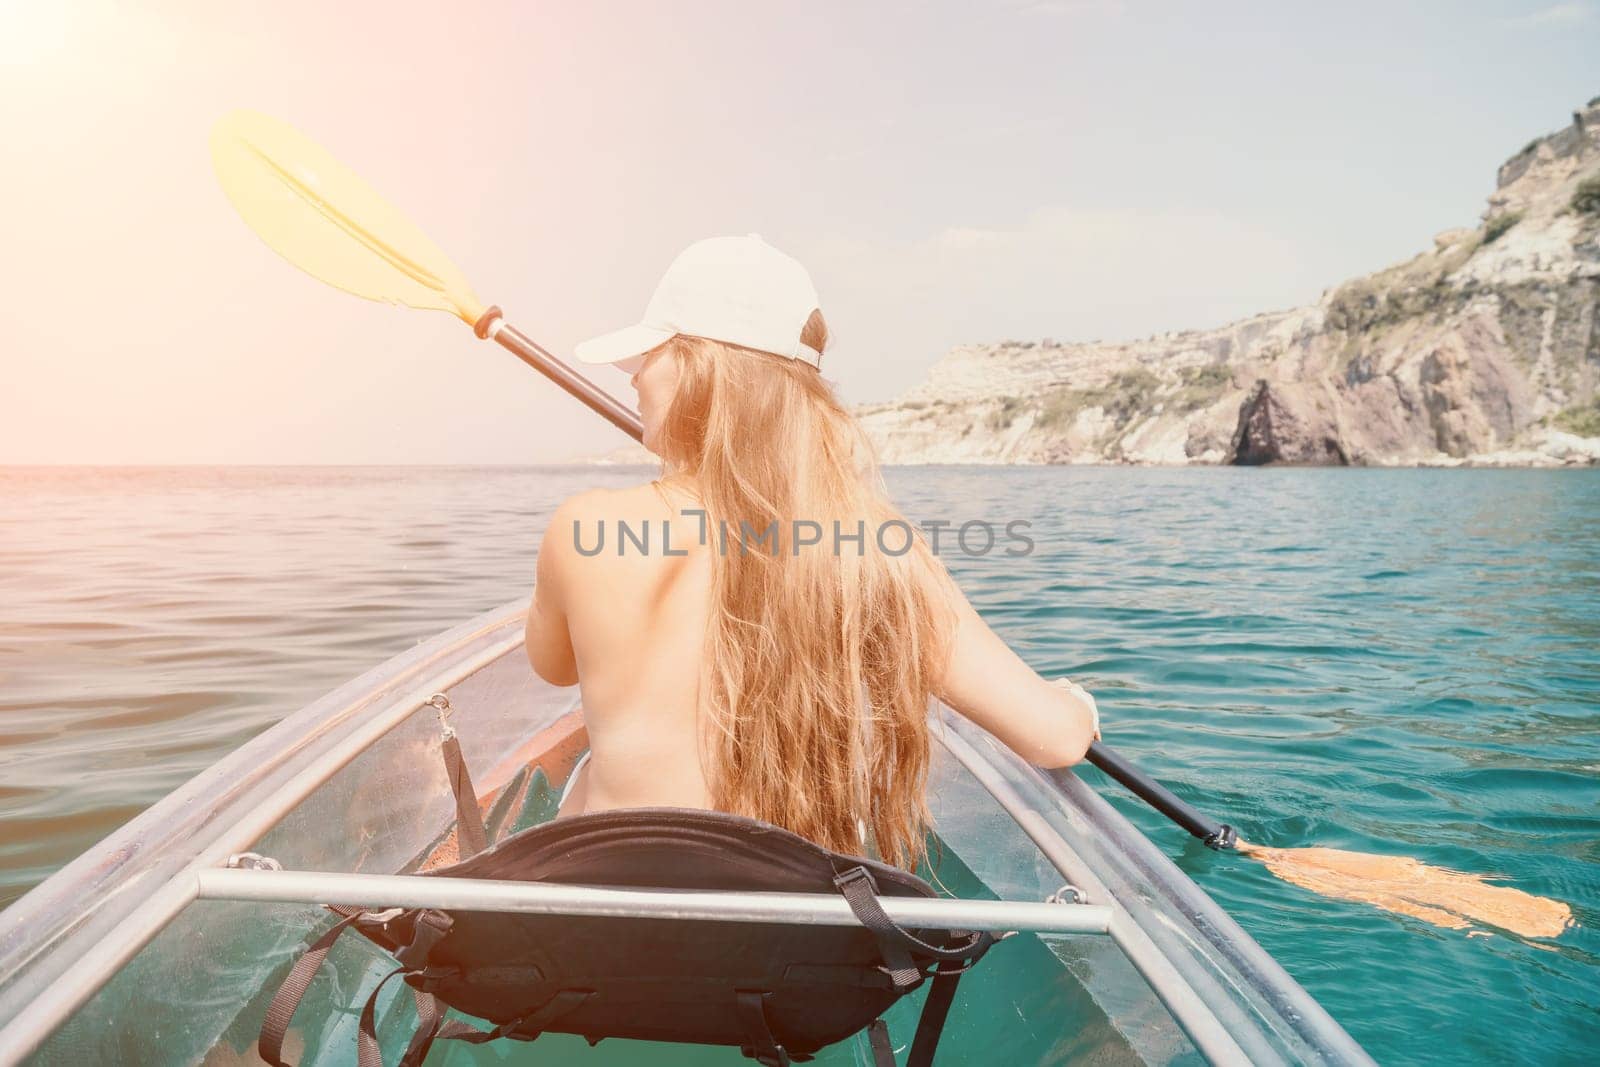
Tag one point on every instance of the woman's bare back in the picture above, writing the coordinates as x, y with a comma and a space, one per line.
637, 619
629, 627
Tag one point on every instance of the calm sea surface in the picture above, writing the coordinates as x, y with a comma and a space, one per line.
1401, 662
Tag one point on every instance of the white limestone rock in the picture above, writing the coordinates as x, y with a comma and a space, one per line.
1473, 352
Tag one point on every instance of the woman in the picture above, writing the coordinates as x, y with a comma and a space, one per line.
756, 631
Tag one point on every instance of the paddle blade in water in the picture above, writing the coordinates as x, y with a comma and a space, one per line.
320, 216
1408, 887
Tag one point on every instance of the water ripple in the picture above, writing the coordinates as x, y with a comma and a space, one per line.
1398, 662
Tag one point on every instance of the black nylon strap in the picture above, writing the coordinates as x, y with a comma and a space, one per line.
896, 941
432, 1025
471, 838
368, 1052
931, 1024
861, 893
430, 1013
878, 1038
526, 1028
764, 1048
284, 1002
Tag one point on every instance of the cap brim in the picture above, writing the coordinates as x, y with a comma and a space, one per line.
621, 344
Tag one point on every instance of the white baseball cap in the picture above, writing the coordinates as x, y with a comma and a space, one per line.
739, 290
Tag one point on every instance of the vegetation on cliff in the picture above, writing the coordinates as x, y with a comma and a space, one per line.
1484, 348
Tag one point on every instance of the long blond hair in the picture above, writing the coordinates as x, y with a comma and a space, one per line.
819, 665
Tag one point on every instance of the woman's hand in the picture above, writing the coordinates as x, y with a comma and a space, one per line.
1083, 694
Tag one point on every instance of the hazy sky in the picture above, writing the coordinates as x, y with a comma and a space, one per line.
949, 172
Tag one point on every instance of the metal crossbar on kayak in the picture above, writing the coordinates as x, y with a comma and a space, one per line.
543, 898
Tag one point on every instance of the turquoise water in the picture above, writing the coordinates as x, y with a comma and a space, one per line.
1399, 662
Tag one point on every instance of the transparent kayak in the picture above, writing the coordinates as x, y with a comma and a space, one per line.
138, 953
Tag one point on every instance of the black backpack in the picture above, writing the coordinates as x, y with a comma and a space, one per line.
779, 991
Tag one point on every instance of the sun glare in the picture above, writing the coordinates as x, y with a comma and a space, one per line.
31, 33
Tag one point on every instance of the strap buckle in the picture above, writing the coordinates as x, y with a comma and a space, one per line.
855, 874
431, 926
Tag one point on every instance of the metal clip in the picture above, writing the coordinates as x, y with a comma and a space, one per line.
383, 916
441, 703
253, 861
1067, 894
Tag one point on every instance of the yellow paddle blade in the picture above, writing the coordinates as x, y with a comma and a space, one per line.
319, 215
1406, 886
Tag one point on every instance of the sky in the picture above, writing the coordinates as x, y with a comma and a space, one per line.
950, 173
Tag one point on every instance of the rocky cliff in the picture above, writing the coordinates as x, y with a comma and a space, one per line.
1484, 349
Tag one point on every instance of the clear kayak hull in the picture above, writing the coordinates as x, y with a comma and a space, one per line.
116, 958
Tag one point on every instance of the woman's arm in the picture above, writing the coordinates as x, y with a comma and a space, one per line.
984, 680
548, 640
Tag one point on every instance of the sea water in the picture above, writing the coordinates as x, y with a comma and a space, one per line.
1397, 662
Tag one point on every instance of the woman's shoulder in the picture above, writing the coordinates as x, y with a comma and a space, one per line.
615, 502
654, 499
592, 523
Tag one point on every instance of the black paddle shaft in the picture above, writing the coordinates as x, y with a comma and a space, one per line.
534, 355
1217, 835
